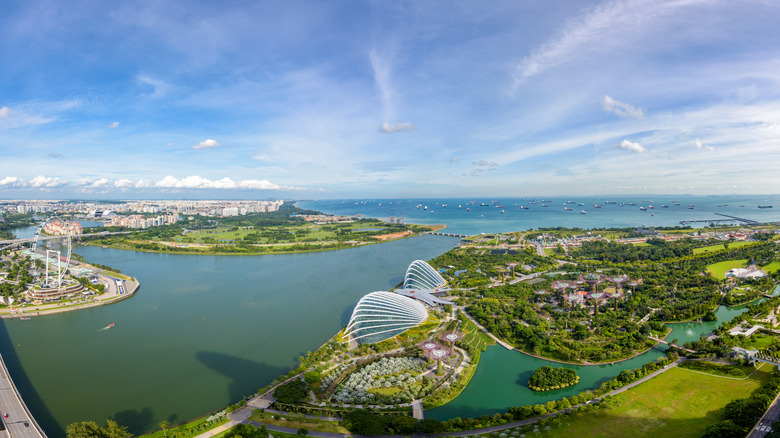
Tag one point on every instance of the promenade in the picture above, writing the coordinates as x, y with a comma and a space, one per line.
20, 423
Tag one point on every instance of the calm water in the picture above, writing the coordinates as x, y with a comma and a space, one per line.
491, 220
201, 332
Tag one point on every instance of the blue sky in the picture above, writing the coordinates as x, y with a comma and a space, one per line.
311, 99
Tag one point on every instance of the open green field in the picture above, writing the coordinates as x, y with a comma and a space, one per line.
713, 248
678, 403
304, 232
718, 270
772, 267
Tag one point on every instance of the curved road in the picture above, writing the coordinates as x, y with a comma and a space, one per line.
20, 422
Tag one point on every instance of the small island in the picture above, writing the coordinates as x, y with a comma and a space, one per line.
549, 378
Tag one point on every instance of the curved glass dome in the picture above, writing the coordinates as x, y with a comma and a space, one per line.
382, 315
420, 275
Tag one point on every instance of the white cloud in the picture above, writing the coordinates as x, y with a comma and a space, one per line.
45, 181
5, 112
698, 145
11, 181
621, 109
207, 144
197, 182
102, 182
390, 129
631, 146
113, 125
123, 183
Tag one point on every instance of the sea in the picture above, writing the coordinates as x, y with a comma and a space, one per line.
472, 216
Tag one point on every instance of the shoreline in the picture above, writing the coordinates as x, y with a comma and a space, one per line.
199, 253
132, 288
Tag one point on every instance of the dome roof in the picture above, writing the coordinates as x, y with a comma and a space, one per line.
420, 275
382, 315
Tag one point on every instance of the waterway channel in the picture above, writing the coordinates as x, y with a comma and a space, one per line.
510, 371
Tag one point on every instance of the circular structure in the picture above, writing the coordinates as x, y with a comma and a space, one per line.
452, 337
382, 315
430, 346
617, 279
541, 292
558, 284
438, 354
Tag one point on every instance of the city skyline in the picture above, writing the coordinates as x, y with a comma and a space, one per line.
302, 100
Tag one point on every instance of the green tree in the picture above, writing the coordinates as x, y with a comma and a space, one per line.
90, 429
302, 432
163, 425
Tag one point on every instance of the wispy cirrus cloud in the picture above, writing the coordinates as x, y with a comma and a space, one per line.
387, 128
622, 109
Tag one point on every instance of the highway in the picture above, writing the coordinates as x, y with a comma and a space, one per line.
20, 422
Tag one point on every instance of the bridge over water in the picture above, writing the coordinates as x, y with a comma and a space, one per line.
20, 422
673, 345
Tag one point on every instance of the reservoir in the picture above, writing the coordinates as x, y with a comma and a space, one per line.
200, 333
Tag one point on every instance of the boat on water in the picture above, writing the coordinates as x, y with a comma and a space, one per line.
610, 202
597, 205
502, 211
468, 209
764, 206
632, 203
523, 207
567, 208
690, 206
676, 203
583, 212
545, 205
643, 208
22, 318
111, 325
664, 206
651, 207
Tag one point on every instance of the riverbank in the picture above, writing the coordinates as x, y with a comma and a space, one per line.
25, 311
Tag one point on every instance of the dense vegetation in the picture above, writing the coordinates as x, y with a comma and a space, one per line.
90, 429
657, 249
547, 378
292, 391
12, 222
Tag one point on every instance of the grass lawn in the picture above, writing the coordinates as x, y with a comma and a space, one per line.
296, 422
772, 267
713, 248
678, 403
385, 391
718, 270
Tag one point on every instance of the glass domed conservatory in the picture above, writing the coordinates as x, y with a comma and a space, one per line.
382, 315
420, 275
